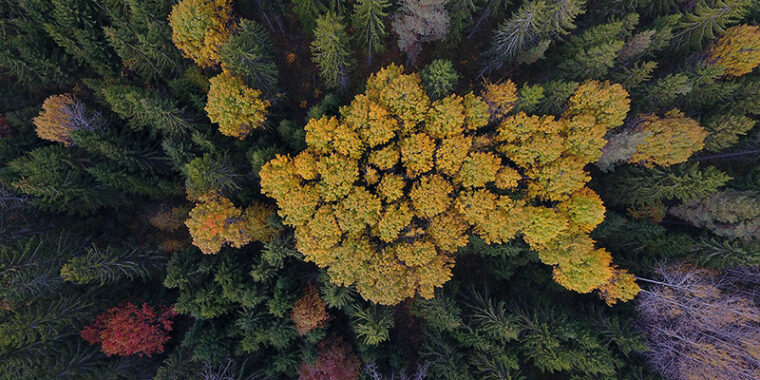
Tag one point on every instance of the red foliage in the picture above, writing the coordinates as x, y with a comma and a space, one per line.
129, 329
5, 128
336, 361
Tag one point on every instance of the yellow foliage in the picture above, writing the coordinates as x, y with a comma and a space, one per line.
200, 28
500, 97
445, 117
737, 51
670, 140
475, 112
338, 173
385, 158
478, 169
584, 208
387, 192
417, 154
54, 121
607, 103
586, 272
237, 108
391, 187
621, 287
374, 123
507, 178
430, 196
215, 222
451, 152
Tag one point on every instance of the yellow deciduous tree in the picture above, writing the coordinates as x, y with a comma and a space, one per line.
236, 108
670, 140
200, 28
737, 51
389, 190
215, 222
61, 115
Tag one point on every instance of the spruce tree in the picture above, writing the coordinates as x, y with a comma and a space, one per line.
330, 50
368, 19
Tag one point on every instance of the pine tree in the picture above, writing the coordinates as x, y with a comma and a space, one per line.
249, 55
533, 23
439, 78
706, 22
635, 186
308, 11
330, 50
727, 213
29, 54
593, 53
111, 265
368, 19
142, 39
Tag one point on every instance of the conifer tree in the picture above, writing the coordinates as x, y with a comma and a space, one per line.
439, 78
248, 55
308, 11
142, 39
706, 22
531, 29
636, 186
728, 213
330, 50
368, 19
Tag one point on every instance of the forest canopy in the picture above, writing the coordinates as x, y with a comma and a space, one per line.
379, 189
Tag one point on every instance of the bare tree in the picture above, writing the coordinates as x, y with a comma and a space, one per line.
702, 324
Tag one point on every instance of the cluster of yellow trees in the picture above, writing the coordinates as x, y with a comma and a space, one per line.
199, 29
388, 191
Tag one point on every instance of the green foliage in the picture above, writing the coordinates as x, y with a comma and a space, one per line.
368, 20
330, 50
707, 21
535, 21
110, 265
637, 186
372, 324
439, 78
248, 55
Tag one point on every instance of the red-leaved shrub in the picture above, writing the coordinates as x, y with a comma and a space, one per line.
336, 361
129, 329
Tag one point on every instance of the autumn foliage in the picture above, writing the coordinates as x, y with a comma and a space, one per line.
55, 121
200, 28
309, 312
737, 51
336, 361
387, 192
237, 108
669, 140
129, 329
215, 222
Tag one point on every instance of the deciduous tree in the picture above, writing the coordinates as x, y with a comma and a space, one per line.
200, 28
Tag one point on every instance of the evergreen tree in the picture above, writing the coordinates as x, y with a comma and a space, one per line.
330, 50
706, 22
248, 55
439, 78
368, 19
